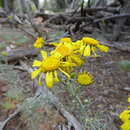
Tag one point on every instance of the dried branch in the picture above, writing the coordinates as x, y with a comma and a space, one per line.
113, 10
3, 123
19, 54
28, 33
108, 18
36, 29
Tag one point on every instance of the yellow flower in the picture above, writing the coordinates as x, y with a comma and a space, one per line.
90, 41
126, 125
49, 66
62, 50
125, 115
85, 78
88, 46
67, 53
39, 42
65, 40
129, 98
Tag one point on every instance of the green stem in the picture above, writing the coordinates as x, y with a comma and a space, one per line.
80, 102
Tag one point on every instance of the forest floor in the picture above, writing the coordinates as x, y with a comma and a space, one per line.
108, 94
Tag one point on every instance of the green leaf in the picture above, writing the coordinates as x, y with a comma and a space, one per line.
125, 64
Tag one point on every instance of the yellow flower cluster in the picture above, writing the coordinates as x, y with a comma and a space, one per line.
65, 57
125, 117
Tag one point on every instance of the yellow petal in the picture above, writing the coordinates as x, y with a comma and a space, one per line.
35, 73
65, 39
53, 43
68, 64
103, 48
43, 54
90, 41
36, 63
93, 48
125, 115
126, 125
82, 49
77, 59
56, 77
49, 79
39, 80
87, 51
65, 73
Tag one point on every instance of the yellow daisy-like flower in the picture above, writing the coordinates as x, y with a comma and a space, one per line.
67, 53
49, 66
125, 115
65, 40
126, 125
62, 50
39, 42
85, 78
129, 98
88, 45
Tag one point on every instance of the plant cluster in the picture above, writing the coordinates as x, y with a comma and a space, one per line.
66, 56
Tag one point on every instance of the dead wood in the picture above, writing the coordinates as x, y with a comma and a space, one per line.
56, 19
34, 26
107, 9
11, 116
75, 19
3, 13
108, 18
4, 21
120, 23
32, 35
19, 54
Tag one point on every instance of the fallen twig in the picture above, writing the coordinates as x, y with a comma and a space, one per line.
107, 18
88, 10
3, 123
36, 29
28, 33
19, 54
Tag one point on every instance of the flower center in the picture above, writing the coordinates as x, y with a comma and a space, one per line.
49, 64
85, 79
